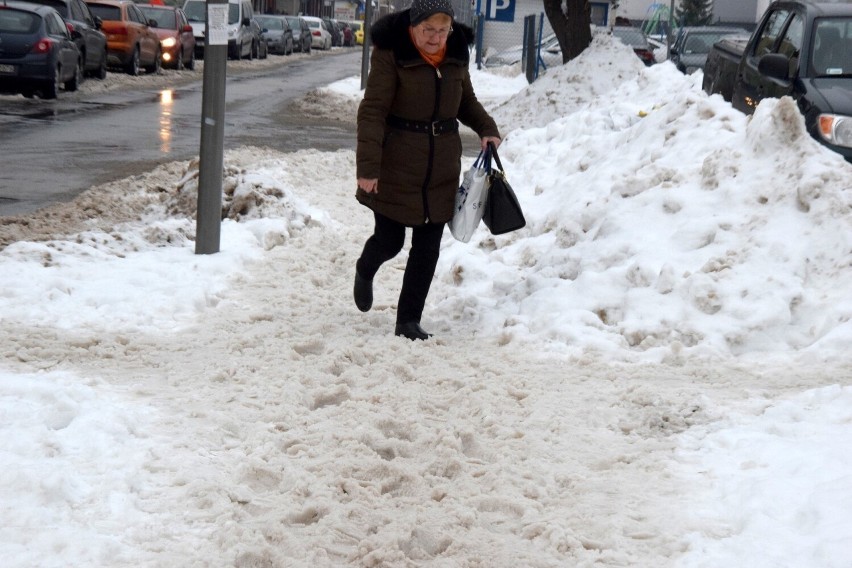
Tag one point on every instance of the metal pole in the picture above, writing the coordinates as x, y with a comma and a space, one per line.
209, 214
671, 28
365, 55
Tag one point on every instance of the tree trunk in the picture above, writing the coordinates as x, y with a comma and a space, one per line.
572, 25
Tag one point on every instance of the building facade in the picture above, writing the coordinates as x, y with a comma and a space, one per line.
724, 11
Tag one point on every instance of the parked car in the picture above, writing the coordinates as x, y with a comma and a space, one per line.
358, 31
692, 44
301, 33
131, 41
802, 50
550, 54
276, 30
259, 46
334, 29
320, 36
241, 36
633, 37
37, 53
89, 38
177, 44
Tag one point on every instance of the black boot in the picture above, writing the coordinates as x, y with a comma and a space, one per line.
412, 331
363, 293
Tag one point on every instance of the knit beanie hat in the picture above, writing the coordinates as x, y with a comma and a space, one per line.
422, 9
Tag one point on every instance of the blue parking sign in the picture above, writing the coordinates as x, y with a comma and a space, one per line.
500, 10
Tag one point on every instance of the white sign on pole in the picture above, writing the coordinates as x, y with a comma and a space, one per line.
217, 24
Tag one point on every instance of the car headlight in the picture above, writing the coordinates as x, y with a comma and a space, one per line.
169, 42
836, 129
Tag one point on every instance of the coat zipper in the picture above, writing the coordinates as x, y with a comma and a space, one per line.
431, 164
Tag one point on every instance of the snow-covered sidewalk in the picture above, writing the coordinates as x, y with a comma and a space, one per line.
165, 409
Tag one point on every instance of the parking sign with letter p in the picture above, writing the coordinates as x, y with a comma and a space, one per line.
500, 10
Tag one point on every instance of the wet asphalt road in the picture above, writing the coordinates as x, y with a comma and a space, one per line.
50, 151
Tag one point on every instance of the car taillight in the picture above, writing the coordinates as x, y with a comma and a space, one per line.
42, 46
118, 30
645, 55
316, 33
70, 28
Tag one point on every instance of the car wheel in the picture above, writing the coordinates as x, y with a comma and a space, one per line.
154, 68
191, 64
252, 51
179, 63
74, 83
101, 73
132, 67
51, 88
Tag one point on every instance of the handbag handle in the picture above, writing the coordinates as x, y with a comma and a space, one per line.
484, 159
493, 150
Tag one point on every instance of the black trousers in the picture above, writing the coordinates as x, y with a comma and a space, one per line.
385, 243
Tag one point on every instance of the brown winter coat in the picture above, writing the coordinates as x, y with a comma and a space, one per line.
418, 173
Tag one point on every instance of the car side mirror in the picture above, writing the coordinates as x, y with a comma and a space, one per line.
774, 65
72, 31
98, 23
152, 23
247, 22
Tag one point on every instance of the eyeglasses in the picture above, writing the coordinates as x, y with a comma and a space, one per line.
432, 32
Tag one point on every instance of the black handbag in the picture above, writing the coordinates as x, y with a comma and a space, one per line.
503, 213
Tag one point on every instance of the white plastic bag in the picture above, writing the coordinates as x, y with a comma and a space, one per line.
470, 199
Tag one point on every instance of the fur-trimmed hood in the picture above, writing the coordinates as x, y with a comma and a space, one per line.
391, 32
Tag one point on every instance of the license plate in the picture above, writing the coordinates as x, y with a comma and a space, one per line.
8, 69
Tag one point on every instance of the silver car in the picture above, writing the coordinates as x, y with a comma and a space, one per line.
692, 44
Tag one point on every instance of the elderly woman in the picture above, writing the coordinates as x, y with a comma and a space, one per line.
409, 150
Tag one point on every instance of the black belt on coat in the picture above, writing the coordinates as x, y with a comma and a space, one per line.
435, 128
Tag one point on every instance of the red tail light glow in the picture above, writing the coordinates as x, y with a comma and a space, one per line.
316, 34
118, 30
42, 46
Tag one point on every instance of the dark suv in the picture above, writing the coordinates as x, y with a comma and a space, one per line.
803, 50
86, 27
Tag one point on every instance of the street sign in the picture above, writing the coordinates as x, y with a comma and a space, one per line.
500, 10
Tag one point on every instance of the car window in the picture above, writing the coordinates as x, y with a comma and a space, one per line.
791, 43
106, 12
770, 32
135, 15
77, 11
166, 19
57, 5
233, 14
54, 25
195, 11
271, 23
832, 46
630, 36
17, 21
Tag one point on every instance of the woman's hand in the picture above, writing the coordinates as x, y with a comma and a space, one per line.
493, 139
369, 185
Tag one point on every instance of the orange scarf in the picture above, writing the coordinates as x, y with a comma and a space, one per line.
433, 60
